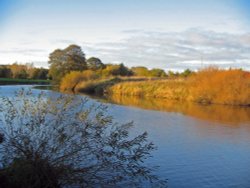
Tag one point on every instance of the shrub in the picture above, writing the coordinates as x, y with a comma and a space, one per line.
62, 141
72, 79
116, 70
213, 85
140, 71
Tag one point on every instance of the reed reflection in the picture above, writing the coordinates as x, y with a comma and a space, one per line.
231, 115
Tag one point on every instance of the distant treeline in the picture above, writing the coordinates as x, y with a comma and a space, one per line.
72, 58
23, 71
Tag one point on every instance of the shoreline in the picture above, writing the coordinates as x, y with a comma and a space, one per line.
8, 81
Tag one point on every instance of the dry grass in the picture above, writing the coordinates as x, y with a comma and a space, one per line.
210, 85
213, 85
169, 89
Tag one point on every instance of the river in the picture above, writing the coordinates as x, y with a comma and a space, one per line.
198, 146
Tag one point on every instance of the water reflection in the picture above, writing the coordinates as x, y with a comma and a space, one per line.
230, 115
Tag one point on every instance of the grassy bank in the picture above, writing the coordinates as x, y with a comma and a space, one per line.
208, 86
168, 89
10, 81
231, 87
92, 83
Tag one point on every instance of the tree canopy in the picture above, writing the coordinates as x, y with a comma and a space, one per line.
63, 61
94, 63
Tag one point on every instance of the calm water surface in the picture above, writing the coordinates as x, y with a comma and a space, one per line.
198, 146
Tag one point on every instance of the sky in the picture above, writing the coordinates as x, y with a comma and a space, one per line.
168, 34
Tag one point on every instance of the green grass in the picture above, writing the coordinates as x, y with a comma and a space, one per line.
11, 81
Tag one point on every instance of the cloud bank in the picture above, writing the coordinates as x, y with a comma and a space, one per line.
194, 48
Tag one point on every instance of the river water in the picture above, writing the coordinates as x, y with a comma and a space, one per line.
198, 146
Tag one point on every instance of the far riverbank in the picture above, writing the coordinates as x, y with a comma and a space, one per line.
10, 81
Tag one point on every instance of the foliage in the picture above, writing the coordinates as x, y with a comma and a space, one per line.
63, 141
72, 79
94, 63
97, 87
144, 72
5, 72
186, 73
140, 71
23, 71
116, 70
175, 75
18, 71
210, 85
213, 85
168, 89
40, 73
157, 73
63, 61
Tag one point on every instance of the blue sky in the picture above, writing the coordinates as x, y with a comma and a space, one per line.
168, 34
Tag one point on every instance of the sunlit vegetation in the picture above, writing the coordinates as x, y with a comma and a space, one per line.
145, 72
213, 85
71, 80
23, 71
210, 85
62, 141
70, 69
168, 89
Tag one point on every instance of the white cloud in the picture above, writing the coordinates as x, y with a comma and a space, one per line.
192, 49
178, 50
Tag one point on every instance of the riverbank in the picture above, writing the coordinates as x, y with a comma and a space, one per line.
10, 81
227, 87
208, 86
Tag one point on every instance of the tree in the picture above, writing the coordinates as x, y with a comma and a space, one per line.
124, 71
5, 72
140, 71
29, 67
40, 73
116, 70
171, 74
94, 63
22, 74
62, 141
18, 71
157, 73
186, 73
66, 60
